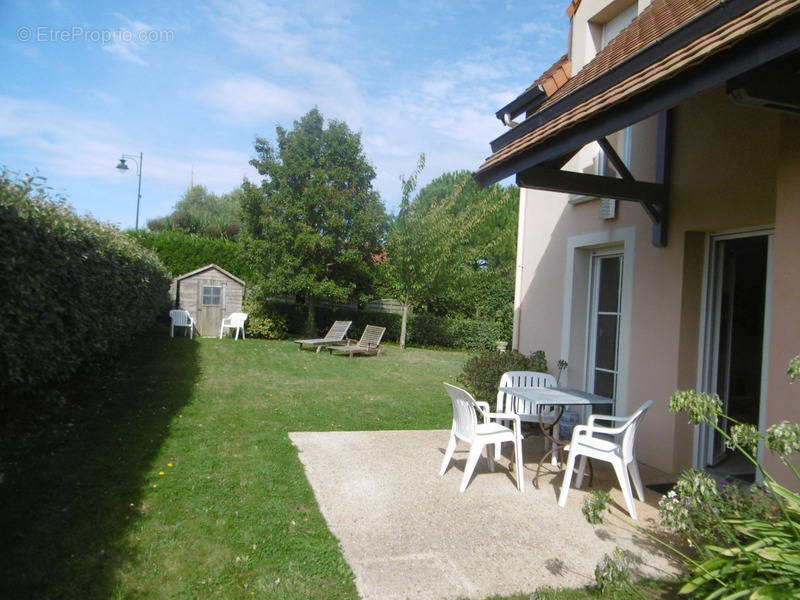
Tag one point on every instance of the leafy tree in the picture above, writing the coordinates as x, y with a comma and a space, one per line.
433, 237
482, 283
314, 223
200, 211
496, 235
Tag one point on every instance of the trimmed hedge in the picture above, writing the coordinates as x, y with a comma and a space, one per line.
74, 290
457, 332
183, 252
282, 319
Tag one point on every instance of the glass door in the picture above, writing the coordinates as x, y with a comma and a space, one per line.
605, 315
734, 350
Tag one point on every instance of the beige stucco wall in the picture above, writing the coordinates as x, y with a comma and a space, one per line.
585, 40
725, 176
784, 399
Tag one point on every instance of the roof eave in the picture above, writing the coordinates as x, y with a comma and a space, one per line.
747, 54
710, 20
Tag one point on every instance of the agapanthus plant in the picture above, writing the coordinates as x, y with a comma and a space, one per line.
746, 540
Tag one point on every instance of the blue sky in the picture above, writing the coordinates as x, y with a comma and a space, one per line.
191, 84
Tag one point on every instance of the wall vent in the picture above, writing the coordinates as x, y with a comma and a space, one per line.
608, 208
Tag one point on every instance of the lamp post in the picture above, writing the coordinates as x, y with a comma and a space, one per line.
124, 167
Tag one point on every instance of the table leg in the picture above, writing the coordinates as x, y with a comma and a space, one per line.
555, 444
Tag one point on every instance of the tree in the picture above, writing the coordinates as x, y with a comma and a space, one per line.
482, 282
314, 223
495, 236
200, 211
432, 238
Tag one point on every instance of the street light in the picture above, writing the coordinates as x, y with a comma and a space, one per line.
124, 167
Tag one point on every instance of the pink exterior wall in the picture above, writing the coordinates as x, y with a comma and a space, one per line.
725, 176
784, 399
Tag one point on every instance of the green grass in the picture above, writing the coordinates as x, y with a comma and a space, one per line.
86, 512
172, 476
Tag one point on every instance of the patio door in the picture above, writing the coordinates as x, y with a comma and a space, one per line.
735, 340
605, 316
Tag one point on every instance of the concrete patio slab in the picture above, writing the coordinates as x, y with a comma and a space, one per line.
408, 533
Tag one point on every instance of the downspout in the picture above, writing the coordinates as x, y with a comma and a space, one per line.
519, 269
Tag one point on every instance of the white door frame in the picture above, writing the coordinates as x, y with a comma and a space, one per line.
592, 317
623, 239
707, 354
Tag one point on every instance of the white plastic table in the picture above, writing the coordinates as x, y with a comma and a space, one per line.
558, 396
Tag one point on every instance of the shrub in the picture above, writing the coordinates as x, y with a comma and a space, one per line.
183, 252
697, 504
424, 329
746, 541
74, 290
456, 332
481, 373
263, 321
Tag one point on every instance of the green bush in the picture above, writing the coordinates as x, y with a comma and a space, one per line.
74, 290
423, 329
263, 321
698, 503
481, 373
745, 541
183, 252
456, 332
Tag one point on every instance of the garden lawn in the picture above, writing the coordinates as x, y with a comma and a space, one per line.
172, 474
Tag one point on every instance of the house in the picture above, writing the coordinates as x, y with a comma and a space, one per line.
209, 294
659, 220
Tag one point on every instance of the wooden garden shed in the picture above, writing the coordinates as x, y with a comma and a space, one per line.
209, 294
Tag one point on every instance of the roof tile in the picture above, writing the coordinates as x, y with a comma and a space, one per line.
632, 39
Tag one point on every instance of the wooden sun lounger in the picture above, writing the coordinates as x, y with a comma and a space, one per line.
335, 335
370, 342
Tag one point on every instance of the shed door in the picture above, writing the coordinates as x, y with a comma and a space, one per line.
210, 306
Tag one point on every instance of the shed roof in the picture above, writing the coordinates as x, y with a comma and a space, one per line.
673, 50
206, 268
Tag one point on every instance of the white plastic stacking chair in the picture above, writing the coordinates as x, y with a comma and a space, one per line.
524, 408
621, 454
236, 322
180, 318
477, 435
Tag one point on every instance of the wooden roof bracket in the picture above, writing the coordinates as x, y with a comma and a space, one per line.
663, 170
653, 197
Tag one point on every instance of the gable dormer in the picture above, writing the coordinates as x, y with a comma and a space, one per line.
594, 23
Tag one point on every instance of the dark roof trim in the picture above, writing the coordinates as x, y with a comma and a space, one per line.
528, 101
711, 20
774, 42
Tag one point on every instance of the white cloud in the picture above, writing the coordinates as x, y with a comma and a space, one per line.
128, 41
445, 109
250, 99
301, 46
65, 142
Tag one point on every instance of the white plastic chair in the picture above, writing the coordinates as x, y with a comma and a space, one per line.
620, 452
180, 318
477, 435
524, 408
234, 321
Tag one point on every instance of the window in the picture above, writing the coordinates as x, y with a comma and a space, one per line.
212, 295
605, 316
620, 140
616, 24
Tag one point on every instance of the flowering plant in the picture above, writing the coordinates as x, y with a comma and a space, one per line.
746, 541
